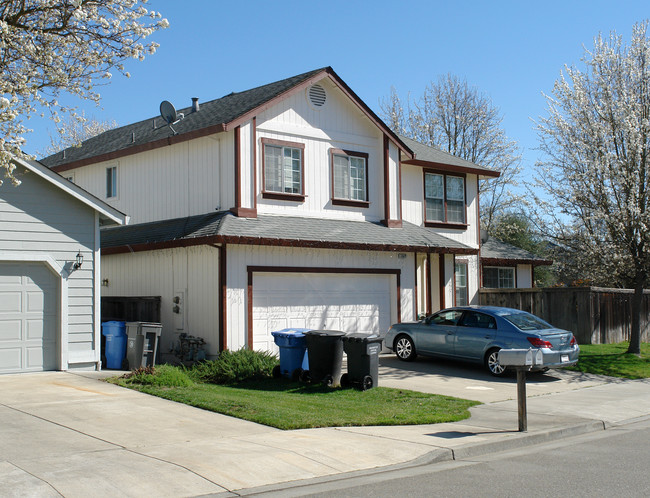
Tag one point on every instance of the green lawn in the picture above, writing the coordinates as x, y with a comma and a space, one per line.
291, 405
612, 360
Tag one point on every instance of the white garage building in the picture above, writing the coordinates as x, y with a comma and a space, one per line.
49, 308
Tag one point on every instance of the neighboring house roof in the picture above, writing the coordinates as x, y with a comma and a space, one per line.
213, 117
498, 253
224, 227
425, 156
108, 215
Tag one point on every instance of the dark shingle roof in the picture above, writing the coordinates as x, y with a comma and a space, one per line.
495, 250
278, 230
431, 154
212, 113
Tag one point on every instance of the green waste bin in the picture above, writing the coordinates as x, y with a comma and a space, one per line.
363, 360
325, 354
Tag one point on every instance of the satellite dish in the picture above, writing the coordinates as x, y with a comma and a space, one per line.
168, 112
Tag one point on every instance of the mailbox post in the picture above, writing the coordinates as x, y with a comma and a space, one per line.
522, 360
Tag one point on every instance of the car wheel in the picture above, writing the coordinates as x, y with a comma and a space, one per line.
404, 348
492, 363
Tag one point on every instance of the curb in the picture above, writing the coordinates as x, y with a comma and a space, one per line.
439, 455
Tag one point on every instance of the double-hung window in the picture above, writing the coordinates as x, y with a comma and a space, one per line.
498, 278
460, 284
444, 197
283, 169
349, 177
111, 182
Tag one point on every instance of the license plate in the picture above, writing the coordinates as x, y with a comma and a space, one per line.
564, 358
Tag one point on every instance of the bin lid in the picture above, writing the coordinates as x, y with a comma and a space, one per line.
322, 333
290, 332
360, 337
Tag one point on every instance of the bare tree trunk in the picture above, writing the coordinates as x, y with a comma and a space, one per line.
637, 301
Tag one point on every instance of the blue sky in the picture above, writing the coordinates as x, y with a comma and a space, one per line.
511, 50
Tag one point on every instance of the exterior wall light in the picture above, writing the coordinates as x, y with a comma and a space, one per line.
78, 261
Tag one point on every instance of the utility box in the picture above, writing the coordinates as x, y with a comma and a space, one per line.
142, 343
520, 357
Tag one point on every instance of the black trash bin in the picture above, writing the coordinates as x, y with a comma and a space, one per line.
325, 353
363, 360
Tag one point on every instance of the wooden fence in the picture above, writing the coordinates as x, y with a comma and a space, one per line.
595, 315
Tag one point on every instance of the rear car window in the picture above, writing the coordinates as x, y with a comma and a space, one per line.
478, 320
526, 321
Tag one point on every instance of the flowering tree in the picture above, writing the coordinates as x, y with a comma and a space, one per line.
456, 118
50, 47
596, 174
73, 130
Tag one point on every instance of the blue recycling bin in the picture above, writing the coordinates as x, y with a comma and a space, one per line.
115, 348
293, 352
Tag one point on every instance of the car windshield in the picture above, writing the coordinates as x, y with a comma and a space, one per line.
526, 321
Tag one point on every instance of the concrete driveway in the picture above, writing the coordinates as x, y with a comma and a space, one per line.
470, 381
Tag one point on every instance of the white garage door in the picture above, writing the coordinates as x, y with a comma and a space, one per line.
347, 302
28, 318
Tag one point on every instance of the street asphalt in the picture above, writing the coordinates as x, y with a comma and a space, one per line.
71, 434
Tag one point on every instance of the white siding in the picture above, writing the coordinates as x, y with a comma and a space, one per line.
170, 182
338, 124
524, 276
37, 218
240, 257
192, 270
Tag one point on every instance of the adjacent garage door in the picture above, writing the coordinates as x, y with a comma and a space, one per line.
347, 302
28, 318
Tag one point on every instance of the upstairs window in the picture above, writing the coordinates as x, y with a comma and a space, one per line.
498, 278
349, 178
283, 169
111, 182
444, 197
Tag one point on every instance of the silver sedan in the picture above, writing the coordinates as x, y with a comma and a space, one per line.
477, 333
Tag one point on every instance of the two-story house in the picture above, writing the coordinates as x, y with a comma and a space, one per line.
287, 205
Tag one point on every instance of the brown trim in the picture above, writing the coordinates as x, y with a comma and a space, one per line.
243, 212
400, 186
386, 180
337, 201
311, 269
441, 278
129, 151
254, 152
438, 224
260, 241
443, 223
223, 299
283, 196
452, 168
428, 275
512, 261
237, 168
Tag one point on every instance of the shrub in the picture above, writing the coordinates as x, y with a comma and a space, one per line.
162, 375
232, 367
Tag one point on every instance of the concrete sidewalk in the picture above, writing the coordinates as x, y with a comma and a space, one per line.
70, 434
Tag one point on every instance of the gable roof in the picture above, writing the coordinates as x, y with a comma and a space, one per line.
432, 157
225, 227
215, 116
108, 215
496, 252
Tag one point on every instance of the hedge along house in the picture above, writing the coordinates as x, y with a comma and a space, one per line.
49, 272
287, 205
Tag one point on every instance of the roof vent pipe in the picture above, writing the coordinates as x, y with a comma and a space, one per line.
195, 104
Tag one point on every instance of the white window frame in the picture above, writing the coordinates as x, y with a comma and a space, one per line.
286, 178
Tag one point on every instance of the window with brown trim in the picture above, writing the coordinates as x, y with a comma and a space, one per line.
495, 277
349, 178
283, 169
444, 199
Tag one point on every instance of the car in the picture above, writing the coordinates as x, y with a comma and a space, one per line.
477, 333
